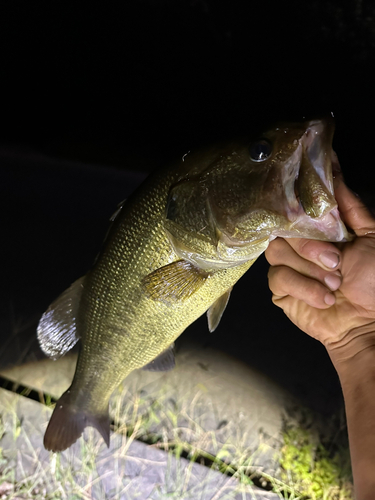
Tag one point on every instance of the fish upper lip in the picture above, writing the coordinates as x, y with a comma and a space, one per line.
318, 131
315, 130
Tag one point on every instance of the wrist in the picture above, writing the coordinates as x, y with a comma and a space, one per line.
357, 378
354, 354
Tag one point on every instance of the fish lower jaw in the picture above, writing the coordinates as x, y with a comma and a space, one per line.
329, 227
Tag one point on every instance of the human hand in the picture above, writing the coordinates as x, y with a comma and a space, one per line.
328, 290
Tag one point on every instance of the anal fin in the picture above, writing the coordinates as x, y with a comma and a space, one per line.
217, 309
162, 363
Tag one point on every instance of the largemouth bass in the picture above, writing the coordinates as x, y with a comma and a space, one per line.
175, 250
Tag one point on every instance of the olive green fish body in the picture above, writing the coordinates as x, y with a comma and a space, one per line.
175, 250
127, 327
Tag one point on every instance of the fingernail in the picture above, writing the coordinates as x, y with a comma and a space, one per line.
329, 259
333, 281
329, 299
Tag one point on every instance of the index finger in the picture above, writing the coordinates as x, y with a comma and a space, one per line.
322, 253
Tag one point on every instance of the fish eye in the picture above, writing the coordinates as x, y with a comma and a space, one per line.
260, 150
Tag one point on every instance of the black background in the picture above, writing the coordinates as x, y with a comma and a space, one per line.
95, 95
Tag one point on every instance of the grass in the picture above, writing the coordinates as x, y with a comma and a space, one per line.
304, 468
314, 470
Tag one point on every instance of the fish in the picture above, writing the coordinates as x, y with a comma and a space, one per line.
175, 250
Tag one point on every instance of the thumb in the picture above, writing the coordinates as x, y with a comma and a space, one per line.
353, 211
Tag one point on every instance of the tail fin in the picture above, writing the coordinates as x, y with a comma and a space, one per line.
68, 422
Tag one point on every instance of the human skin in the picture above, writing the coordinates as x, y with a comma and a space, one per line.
328, 291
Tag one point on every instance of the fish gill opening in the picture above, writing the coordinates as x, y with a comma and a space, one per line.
192, 454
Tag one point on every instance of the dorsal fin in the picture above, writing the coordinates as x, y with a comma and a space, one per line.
162, 363
217, 309
57, 332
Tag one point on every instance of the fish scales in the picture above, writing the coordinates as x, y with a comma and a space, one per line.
174, 251
139, 328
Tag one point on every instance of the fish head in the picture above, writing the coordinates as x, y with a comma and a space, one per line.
252, 191
278, 185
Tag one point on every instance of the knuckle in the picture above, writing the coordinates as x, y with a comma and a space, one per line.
315, 292
271, 271
287, 276
274, 280
278, 301
310, 250
279, 278
275, 251
307, 248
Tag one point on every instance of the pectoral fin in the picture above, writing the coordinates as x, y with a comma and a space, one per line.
57, 332
175, 282
217, 309
162, 363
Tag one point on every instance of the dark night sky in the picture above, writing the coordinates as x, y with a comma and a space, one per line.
144, 80
130, 86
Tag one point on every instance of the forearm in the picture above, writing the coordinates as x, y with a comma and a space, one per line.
357, 377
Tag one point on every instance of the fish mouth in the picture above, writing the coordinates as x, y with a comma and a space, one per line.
311, 204
307, 172
297, 198
317, 142
314, 166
